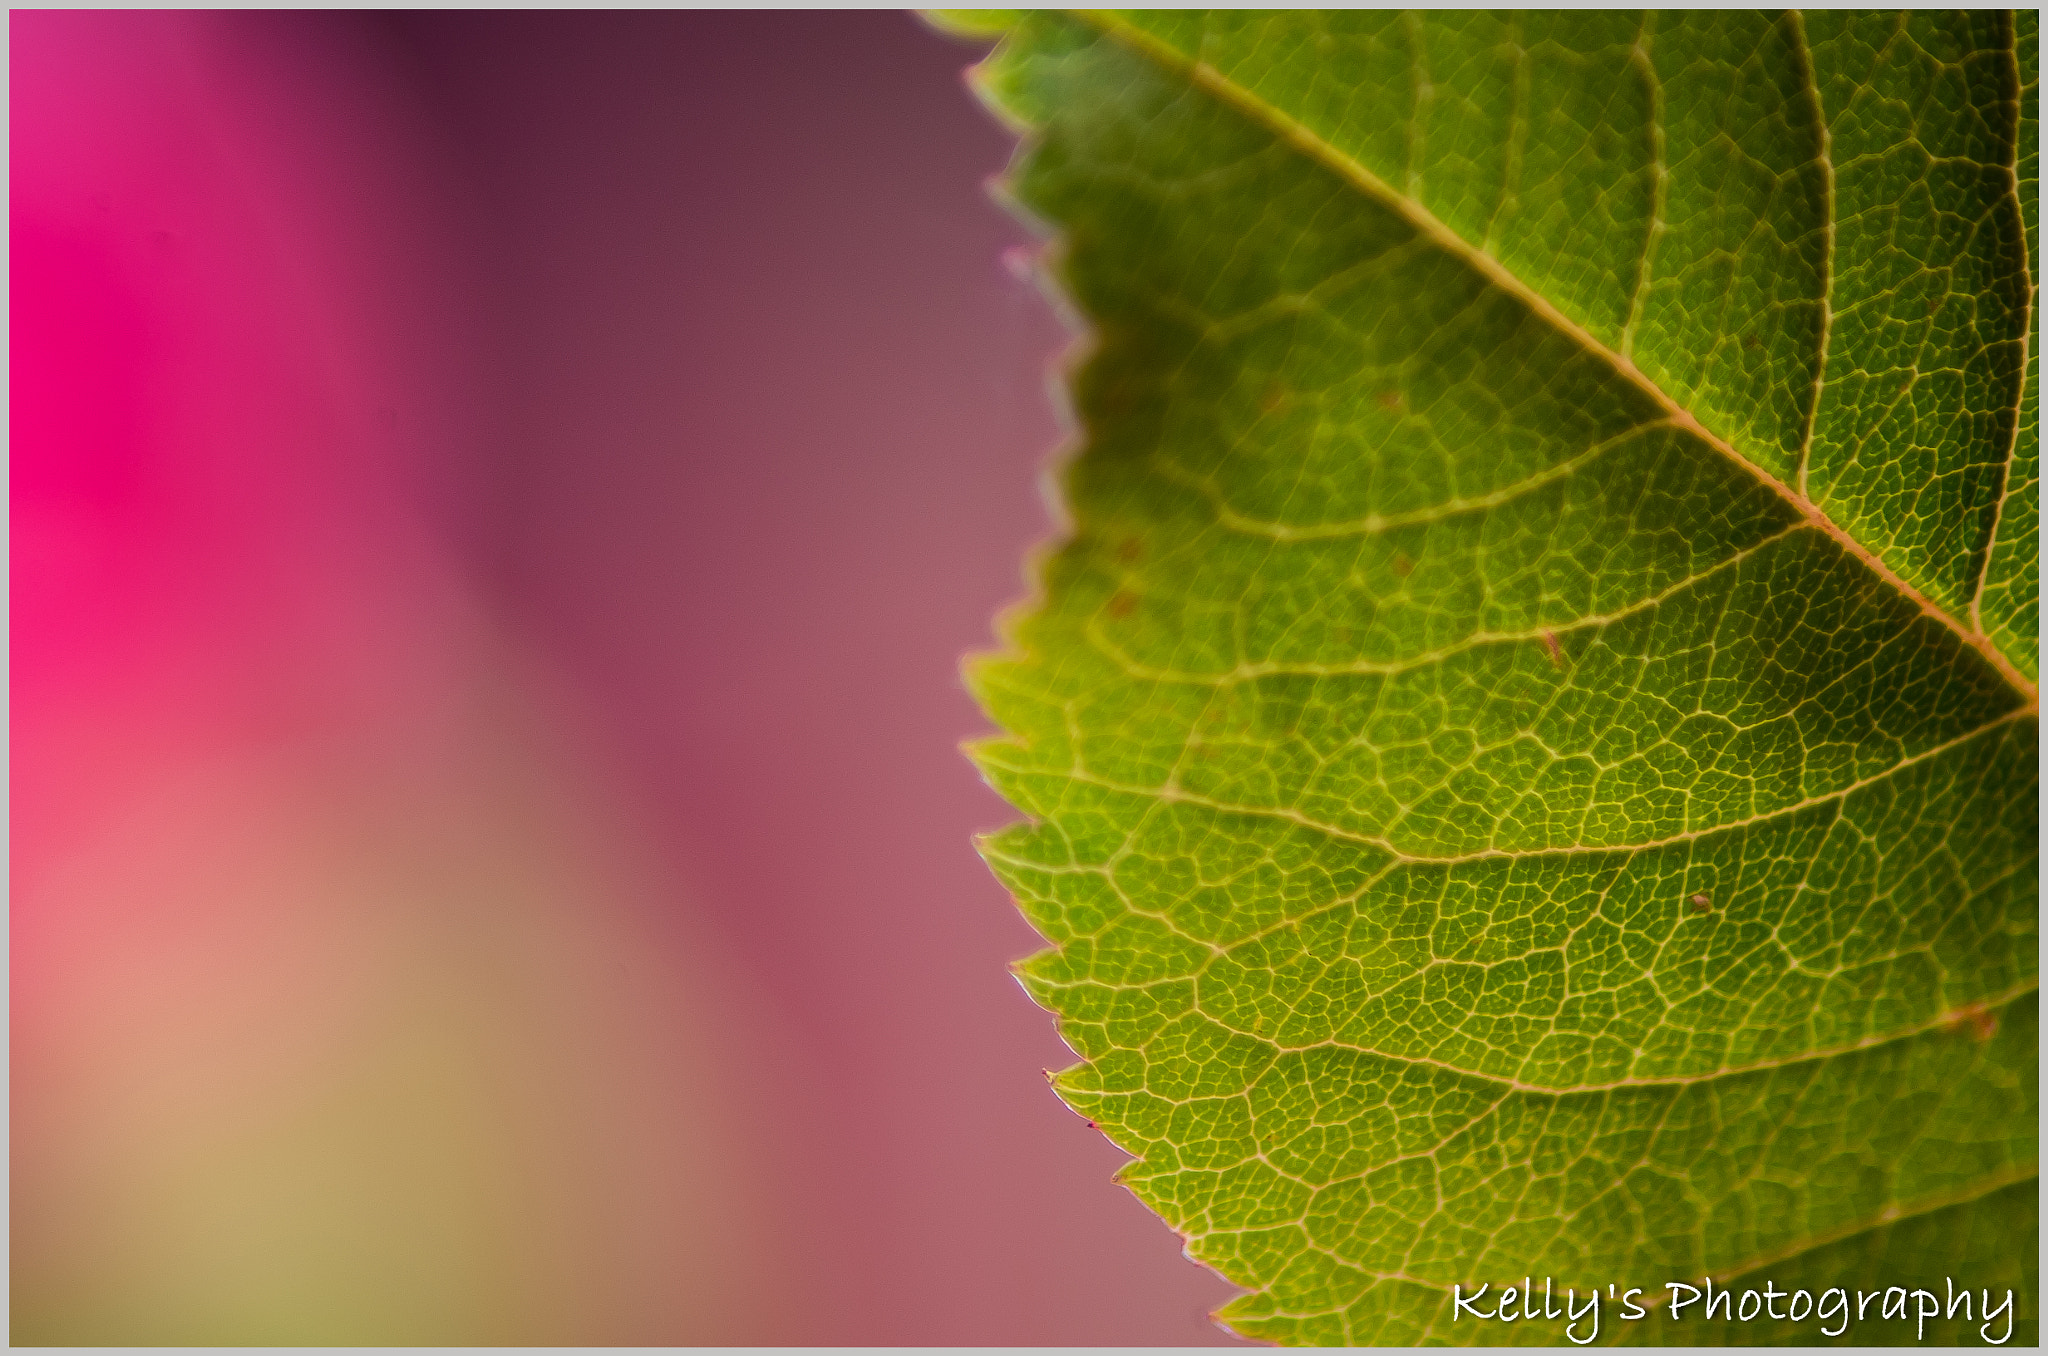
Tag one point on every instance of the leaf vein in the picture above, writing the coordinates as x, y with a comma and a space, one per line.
1288, 130
2026, 340
1827, 256
1172, 793
1244, 672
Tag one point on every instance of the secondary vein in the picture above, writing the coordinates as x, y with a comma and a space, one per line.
1827, 255
2026, 340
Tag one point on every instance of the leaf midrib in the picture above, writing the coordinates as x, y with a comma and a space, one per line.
1286, 128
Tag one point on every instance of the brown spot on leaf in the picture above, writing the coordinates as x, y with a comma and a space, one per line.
1390, 400
1275, 399
1974, 1019
1129, 550
1121, 604
1751, 342
1402, 565
1702, 902
1555, 650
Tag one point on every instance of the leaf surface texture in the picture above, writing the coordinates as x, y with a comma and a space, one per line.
1531, 743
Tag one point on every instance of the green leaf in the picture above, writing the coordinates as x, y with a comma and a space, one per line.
1531, 743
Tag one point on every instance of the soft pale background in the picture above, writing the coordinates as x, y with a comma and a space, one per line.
498, 501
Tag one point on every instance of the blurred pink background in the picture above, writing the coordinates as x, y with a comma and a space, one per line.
498, 504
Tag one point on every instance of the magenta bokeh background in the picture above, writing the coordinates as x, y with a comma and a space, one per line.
499, 501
